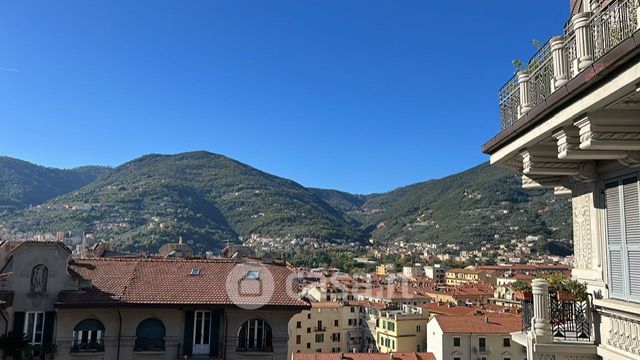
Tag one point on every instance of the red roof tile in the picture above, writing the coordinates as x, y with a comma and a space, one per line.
488, 323
363, 356
166, 281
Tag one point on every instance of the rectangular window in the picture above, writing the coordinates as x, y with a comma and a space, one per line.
418, 328
623, 238
391, 326
456, 341
298, 338
506, 342
456, 358
309, 316
298, 324
34, 327
335, 322
353, 309
308, 330
482, 343
319, 338
308, 345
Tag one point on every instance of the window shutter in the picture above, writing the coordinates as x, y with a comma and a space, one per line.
49, 323
632, 235
215, 333
614, 240
18, 322
188, 332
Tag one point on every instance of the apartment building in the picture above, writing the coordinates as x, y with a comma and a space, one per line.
436, 273
484, 337
145, 308
402, 330
464, 276
570, 121
329, 326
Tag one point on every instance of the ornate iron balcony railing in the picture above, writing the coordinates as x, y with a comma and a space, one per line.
584, 42
570, 319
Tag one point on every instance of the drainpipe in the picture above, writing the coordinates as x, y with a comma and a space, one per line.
119, 332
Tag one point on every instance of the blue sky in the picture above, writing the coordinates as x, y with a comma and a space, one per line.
362, 96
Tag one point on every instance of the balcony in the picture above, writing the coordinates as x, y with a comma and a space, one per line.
554, 327
571, 320
482, 350
588, 37
320, 329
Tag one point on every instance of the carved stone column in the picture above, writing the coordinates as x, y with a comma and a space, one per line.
541, 323
523, 81
560, 62
584, 41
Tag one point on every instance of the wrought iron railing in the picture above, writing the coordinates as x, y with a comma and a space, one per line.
613, 24
609, 26
527, 315
570, 319
540, 69
509, 99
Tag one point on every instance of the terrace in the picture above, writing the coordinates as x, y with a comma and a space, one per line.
587, 38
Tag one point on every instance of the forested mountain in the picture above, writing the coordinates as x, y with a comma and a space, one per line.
23, 183
209, 199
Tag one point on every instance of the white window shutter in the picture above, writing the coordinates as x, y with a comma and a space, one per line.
632, 235
615, 241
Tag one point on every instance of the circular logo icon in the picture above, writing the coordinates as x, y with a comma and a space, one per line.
250, 286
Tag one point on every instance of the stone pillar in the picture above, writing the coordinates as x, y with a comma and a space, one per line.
541, 326
560, 62
523, 81
584, 39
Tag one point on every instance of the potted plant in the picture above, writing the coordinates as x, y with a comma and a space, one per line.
522, 290
576, 290
12, 345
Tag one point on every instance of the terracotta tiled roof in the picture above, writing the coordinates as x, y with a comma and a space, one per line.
166, 281
325, 304
363, 356
488, 323
446, 309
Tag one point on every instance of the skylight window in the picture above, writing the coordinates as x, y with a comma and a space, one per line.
195, 272
253, 275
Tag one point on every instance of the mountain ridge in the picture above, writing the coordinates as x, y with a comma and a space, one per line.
210, 199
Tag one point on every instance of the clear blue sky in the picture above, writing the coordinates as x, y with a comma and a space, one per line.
362, 96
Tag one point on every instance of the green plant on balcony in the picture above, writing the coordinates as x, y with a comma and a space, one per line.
567, 289
522, 290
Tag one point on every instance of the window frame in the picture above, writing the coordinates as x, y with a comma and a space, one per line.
160, 346
262, 339
94, 339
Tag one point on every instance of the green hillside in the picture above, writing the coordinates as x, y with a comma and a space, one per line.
23, 183
206, 198
209, 199
466, 208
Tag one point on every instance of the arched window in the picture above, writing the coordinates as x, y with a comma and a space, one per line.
88, 335
39, 275
255, 335
150, 335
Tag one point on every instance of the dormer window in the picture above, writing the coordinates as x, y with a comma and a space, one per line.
195, 272
39, 276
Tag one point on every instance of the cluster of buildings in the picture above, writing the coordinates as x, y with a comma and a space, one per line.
450, 313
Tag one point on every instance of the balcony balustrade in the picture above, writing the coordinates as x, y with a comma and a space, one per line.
570, 319
320, 328
588, 37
